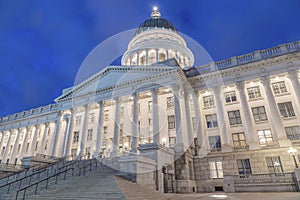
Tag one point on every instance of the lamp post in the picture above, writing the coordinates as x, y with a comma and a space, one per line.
293, 152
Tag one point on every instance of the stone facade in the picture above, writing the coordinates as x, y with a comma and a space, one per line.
220, 126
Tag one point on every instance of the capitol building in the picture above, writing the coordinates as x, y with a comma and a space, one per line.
231, 125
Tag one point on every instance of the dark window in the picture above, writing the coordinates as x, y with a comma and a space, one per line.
215, 142
244, 167
293, 132
259, 114
234, 117
211, 121
230, 96
286, 109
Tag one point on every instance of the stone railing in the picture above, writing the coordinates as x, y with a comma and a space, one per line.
256, 56
263, 178
27, 113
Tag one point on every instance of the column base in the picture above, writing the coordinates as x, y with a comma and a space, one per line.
254, 146
284, 143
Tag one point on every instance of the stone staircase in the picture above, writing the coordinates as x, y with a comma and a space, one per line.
98, 184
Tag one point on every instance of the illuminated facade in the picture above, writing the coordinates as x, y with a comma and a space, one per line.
236, 131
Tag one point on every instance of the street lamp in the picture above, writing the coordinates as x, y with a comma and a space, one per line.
293, 152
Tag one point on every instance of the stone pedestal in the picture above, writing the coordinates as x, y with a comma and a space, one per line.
163, 157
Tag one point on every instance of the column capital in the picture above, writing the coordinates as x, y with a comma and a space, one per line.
85, 106
240, 85
175, 87
100, 103
154, 91
116, 99
293, 75
265, 80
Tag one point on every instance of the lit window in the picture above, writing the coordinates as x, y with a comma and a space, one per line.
208, 101
254, 92
211, 121
293, 132
216, 170
90, 135
214, 143
259, 114
230, 97
239, 140
286, 109
78, 120
172, 141
244, 167
279, 88
36, 146
171, 122
265, 137
91, 117
274, 164
170, 102
234, 117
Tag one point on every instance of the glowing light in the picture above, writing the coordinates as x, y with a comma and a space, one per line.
155, 8
251, 83
219, 196
228, 88
276, 78
206, 92
164, 140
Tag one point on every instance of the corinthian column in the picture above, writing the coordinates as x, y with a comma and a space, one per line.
134, 124
251, 135
294, 78
83, 130
155, 120
223, 130
275, 118
68, 134
179, 140
99, 127
116, 128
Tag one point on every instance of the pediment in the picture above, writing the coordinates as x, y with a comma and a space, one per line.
112, 76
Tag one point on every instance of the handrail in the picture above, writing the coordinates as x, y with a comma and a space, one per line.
41, 170
40, 181
57, 174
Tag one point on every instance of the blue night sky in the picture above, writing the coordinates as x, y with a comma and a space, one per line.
43, 43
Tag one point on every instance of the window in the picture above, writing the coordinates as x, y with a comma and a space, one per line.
39, 134
105, 114
49, 129
279, 87
216, 170
105, 130
29, 134
139, 126
214, 142
90, 135
239, 140
121, 129
244, 167
121, 136
73, 153
46, 144
76, 136
16, 161
208, 101
121, 111
78, 120
150, 106
150, 125
230, 97
211, 121
91, 117
170, 102
259, 114
274, 164
254, 92
19, 148
293, 132
286, 109
265, 137
171, 122
234, 117
36, 146
27, 147
172, 141
138, 108
194, 122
